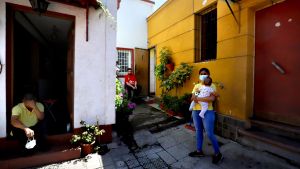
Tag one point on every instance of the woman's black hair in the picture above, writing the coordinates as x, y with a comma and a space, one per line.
204, 69
29, 97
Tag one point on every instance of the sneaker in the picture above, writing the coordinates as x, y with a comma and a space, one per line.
217, 158
196, 154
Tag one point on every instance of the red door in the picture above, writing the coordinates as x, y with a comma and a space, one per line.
277, 63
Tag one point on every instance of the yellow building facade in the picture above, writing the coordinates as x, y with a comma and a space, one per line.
173, 26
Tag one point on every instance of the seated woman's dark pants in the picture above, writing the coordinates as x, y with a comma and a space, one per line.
39, 134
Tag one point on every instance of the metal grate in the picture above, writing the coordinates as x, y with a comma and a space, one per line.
124, 61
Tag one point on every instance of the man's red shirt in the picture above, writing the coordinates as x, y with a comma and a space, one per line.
130, 79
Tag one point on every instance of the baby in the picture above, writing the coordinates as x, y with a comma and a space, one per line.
204, 91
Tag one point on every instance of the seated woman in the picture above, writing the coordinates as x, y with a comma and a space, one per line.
26, 120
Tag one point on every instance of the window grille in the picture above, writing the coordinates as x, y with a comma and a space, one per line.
124, 60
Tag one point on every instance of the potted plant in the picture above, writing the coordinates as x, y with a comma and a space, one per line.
165, 64
165, 56
87, 137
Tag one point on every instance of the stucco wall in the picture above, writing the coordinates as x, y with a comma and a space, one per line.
132, 24
94, 69
173, 26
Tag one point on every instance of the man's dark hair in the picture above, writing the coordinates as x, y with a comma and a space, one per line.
208, 81
29, 96
129, 69
204, 69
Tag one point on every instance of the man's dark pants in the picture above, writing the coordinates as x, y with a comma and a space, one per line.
130, 91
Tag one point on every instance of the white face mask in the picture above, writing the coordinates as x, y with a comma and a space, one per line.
30, 143
202, 77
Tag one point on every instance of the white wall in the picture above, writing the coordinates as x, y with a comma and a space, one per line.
94, 69
158, 4
132, 23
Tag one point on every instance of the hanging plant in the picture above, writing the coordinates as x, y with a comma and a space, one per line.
164, 58
177, 77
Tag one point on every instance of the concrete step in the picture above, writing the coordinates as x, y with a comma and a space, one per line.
40, 159
286, 148
59, 150
292, 132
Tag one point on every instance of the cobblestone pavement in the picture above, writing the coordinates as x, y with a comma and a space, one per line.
169, 149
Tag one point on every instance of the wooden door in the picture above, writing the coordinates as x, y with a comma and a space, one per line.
142, 69
277, 58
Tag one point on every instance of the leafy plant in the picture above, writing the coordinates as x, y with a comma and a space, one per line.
87, 135
119, 93
165, 55
160, 71
177, 104
122, 103
164, 58
177, 77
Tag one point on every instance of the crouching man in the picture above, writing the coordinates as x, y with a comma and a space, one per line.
26, 121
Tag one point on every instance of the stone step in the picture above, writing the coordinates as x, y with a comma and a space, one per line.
286, 148
40, 159
292, 132
59, 150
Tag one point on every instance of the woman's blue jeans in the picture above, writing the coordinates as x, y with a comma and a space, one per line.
208, 122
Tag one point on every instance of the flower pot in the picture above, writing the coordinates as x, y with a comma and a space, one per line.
170, 66
171, 113
86, 149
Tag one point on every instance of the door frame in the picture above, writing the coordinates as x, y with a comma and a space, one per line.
149, 67
10, 11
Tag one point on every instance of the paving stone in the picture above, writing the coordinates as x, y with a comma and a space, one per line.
128, 157
190, 144
144, 137
152, 156
140, 167
140, 154
178, 152
106, 160
154, 149
159, 163
113, 145
167, 142
107, 167
120, 164
166, 157
144, 160
181, 136
122, 167
132, 163
149, 166
117, 154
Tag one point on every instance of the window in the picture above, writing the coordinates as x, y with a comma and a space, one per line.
124, 60
206, 35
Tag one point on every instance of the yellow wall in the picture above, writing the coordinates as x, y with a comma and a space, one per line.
173, 26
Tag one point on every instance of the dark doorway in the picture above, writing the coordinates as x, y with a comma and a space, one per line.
41, 55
